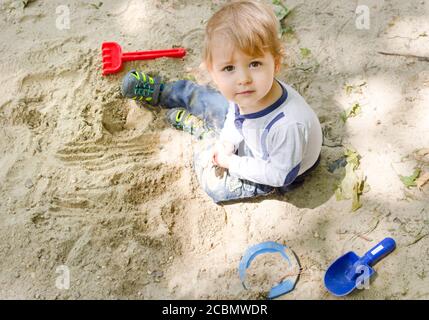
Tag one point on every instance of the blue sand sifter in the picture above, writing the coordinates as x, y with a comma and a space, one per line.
341, 278
289, 282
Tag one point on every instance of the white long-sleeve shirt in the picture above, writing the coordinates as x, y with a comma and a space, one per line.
274, 145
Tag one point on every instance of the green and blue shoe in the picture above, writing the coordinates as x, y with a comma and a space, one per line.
182, 119
141, 87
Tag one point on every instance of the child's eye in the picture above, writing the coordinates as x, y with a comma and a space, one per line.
255, 64
228, 68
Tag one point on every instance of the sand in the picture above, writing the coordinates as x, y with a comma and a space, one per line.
94, 184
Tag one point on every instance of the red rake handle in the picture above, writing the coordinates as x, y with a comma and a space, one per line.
153, 54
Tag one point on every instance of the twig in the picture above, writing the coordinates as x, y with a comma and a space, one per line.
362, 234
408, 38
333, 145
342, 27
420, 237
363, 237
300, 68
420, 58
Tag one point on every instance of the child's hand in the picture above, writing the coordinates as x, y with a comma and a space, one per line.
228, 147
222, 159
221, 154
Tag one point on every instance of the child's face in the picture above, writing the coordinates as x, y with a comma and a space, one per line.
246, 80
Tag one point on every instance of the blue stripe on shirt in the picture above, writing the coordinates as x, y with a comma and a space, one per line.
238, 121
265, 134
270, 108
292, 175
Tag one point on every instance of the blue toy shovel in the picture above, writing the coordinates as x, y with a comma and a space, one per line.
341, 278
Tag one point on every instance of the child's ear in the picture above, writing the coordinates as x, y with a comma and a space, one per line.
277, 64
208, 71
203, 66
206, 68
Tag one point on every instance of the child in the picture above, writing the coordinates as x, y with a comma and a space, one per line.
269, 137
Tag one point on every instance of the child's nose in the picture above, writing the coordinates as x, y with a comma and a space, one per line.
244, 78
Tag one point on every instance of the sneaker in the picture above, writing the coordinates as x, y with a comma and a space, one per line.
139, 86
182, 119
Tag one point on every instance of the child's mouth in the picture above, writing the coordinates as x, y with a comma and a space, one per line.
244, 93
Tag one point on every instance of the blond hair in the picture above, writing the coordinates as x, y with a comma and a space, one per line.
249, 26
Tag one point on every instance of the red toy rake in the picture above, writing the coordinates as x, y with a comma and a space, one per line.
113, 56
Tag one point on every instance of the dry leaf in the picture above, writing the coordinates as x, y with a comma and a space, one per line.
305, 52
353, 111
422, 155
423, 151
353, 184
422, 180
410, 181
